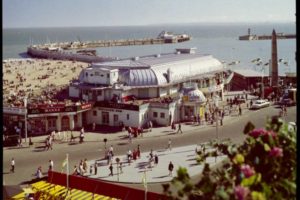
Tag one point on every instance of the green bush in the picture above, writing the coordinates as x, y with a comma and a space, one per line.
263, 167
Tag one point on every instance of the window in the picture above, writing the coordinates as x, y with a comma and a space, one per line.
116, 118
107, 75
127, 116
95, 112
162, 115
86, 74
155, 114
100, 92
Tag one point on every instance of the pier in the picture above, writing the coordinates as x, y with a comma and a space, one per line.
59, 50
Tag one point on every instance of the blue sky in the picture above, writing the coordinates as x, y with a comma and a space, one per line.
68, 13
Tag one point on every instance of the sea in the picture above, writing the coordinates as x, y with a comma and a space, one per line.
219, 40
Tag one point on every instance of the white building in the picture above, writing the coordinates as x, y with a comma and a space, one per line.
162, 88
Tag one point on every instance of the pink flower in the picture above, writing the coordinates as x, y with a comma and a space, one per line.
241, 192
276, 152
257, 132
247, 170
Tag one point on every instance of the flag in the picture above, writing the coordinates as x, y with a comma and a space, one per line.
144, 180
64, 163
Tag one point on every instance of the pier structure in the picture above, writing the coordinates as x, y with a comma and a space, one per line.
62, 50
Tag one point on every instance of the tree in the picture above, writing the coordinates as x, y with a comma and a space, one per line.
262, 167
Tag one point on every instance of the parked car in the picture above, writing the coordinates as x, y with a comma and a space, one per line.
261, 103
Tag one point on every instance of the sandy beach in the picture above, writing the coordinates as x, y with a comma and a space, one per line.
30, 77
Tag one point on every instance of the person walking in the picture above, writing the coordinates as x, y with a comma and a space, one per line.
39, 173
12, 164
95, 168
51, 164
94, 126
81, 135
111, 170
179, 128
240, 110
121, 168
85, 167
170, 144
156, 159
170, 167
138, 151
150, 125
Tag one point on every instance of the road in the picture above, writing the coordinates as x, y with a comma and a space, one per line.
29, 159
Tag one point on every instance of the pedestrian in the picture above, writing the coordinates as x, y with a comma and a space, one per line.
179, 128
95, 168
129, 155
81, 135
75, 170
170, 167
170, 144
39, 173
206, 116
284, 111
94, 126
85, 165
240, 110
111, 170
111, 150
51, 165
156, 159
150, 125
151, 154
138, 151
12, 164
81, 170
50, 142
121, 168
130, 137
173, 126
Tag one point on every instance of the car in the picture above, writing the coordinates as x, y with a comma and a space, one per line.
261, 103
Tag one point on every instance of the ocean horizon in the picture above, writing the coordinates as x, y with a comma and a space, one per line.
218, 39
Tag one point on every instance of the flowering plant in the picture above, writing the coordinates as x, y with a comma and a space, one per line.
262, 167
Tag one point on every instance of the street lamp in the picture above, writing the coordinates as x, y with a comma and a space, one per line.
118, 161
216, 115
25, 105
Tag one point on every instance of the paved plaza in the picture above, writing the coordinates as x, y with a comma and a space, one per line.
133, 172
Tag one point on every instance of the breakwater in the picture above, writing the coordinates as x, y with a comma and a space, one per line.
266, 37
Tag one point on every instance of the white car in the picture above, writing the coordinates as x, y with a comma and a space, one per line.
260, 104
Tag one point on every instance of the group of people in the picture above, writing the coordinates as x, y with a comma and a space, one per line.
81, 169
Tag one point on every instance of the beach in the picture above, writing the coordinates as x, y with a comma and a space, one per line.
36, 77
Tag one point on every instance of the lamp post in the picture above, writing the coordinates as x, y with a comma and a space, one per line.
25, 105
118, 161
216, 116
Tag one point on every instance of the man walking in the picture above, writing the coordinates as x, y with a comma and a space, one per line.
170, 145
111, 170
12, 164
51, 165
179, 128
171, 167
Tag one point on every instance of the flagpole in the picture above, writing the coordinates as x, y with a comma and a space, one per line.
67, 173
146, 187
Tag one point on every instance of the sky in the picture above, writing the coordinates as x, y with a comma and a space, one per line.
77, 13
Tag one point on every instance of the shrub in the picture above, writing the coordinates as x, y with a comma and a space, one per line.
262, 167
